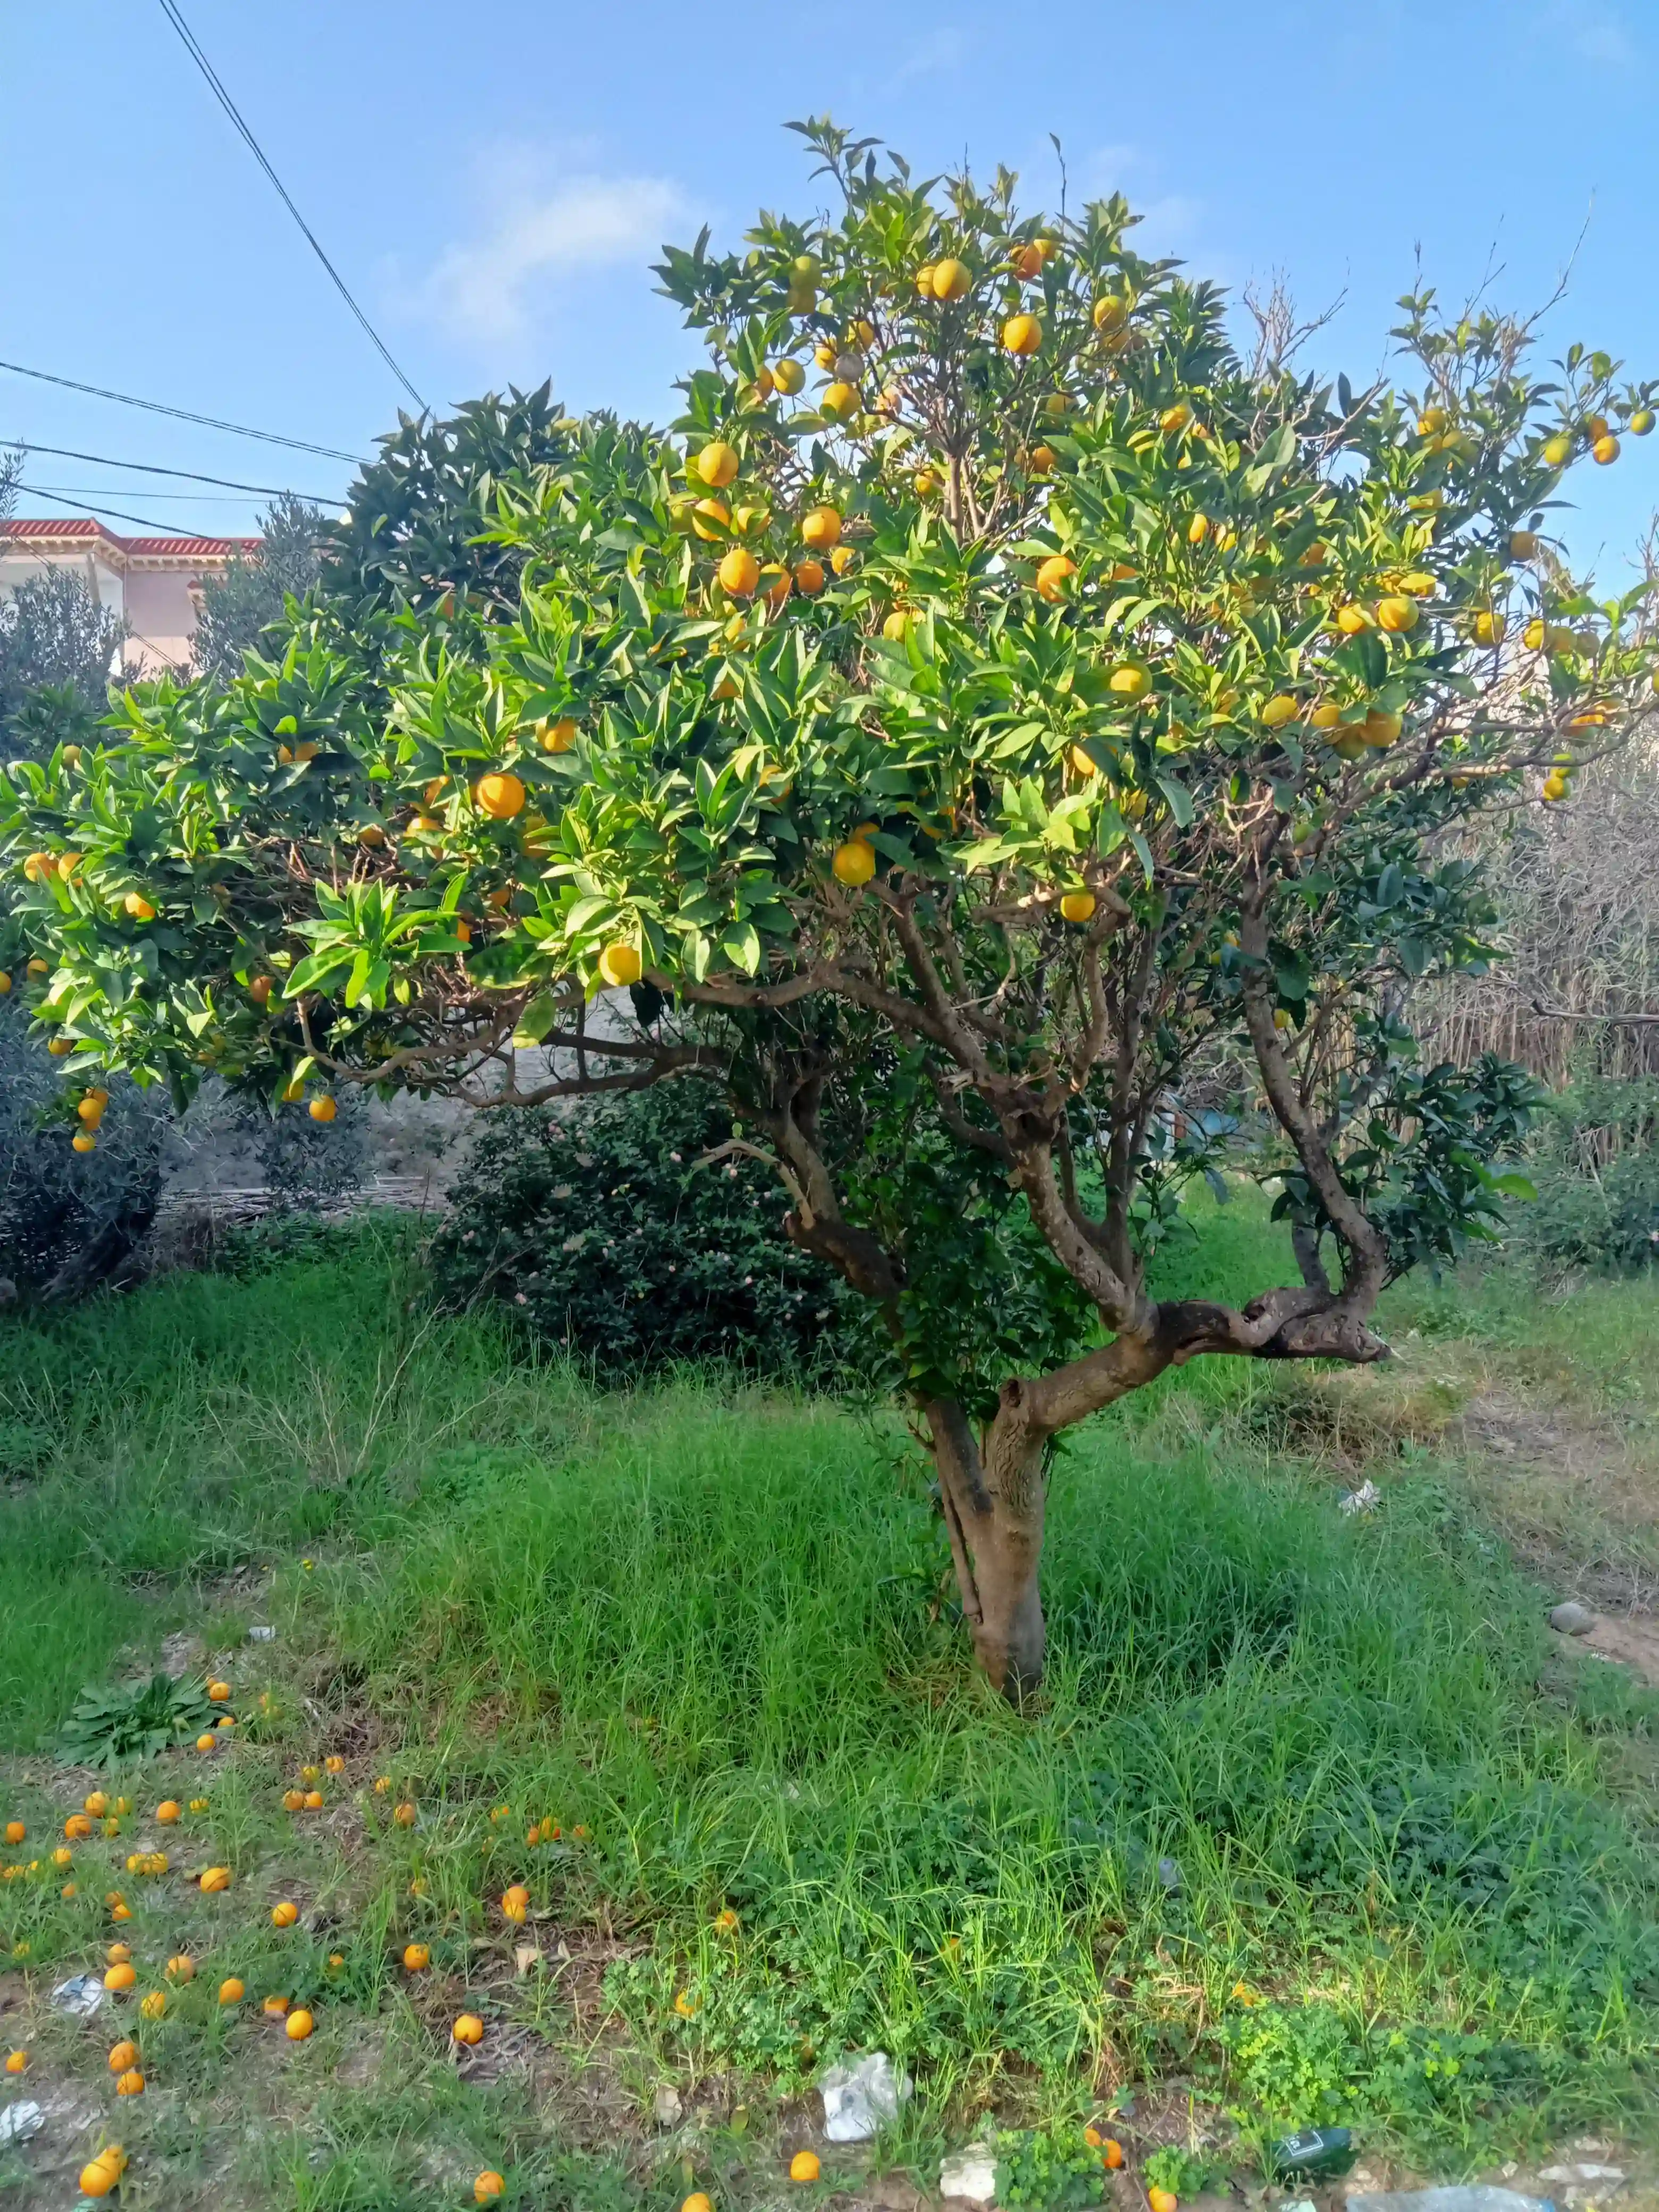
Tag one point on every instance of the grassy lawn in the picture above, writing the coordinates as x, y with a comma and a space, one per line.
1313, 1824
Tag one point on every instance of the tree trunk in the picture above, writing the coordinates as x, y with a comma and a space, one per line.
994, 1506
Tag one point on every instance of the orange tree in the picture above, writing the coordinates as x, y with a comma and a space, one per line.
992, 712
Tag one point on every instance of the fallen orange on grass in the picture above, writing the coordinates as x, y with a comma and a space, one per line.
276, 2006
154, 2005
129, 2084
120, 1977
804, 2166
469, 2028
299, 2025
215, 1878
15, 1831
167, 1811
488, 2186
100, 2175
284, 1914
417, 1958
231, 1991
16, 2061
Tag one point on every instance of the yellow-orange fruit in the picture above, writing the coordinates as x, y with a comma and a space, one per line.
1053, 576
739, 572
853, 863
717, 465
1022, 335
500, 795
951, 281
620, 963
820, 528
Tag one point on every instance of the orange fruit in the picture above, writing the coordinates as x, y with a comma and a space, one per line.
711, 519
321, 1109
810, 578
97, 1804
1605, 449
122, 2056
298, 2025
696, 2201
1077, 906
620, 963
371, 835
154, 2005
78, 1827
499, 795
1278, 710
334, 1764
1326, 717
1163, 2200
1489, 627
1524, 544
417, 1958
820, 528
1557, 452
100, 2175
1198, 530
896, 627
804, 2166
853, 863
16, 2061
840, 399
1022, 335
469, 2028
83, 1143
130, 2083
313, 1797
843, 559
276, 2006
231, 1991
788, 376
515, 1899
293, 1800
1053, 576
1114, 2153
284, 1914
167, 1811
1396, 614
717, 465
1175, 419
1380, 729
181, 1967
558, 737
121, 1977
488, 2186
739, 572
1110, 314
950, 281
1043, 460
404, 1815
214, 1879
139, 908
1129, 680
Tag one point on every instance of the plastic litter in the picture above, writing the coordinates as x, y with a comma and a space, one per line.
861, 2097
21, 2123
1478, 2198
1366, 1499
970, 2173
261, 1635
1169, 1874
1314, 2150
80, 1997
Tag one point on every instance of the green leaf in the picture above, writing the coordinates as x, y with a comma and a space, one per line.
534, 1022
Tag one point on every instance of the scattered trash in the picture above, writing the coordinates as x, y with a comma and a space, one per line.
1169, 1874
1366, 1499
859, 2097
1478, 2198
21, 2123
80, 1997
1613, 2173
259, 1635
1314, 2150
524, 1956
666, 2106
971, 2173
1572, 1619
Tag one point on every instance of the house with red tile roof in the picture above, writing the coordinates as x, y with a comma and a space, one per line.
153, 583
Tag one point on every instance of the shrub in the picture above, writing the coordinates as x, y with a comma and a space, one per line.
601, 1234
1597, 1170
69, 1219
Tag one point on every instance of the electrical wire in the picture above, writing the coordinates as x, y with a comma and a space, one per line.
169, 9
183, 414
191, 498
154, 469
144, 521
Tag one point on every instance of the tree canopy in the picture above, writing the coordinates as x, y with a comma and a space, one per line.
995, 727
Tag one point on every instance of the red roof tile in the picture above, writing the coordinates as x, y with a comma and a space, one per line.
63, 526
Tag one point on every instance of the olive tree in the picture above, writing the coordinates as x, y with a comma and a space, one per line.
994, 705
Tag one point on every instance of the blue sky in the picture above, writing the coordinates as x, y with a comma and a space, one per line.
495, 182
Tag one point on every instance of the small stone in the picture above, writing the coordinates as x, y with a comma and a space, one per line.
666, 2106
1572, 1619
971, 2174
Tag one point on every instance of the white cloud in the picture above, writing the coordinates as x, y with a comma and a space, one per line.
492, 288
936, 52
1595, 32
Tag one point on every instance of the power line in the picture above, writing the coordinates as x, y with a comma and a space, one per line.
183, 414
191, 498
144, 521
154, 469
169, 9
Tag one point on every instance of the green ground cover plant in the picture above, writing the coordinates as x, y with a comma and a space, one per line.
1292, 1821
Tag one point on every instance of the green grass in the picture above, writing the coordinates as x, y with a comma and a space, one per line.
713, 1628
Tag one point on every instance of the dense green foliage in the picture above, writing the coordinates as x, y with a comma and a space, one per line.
239, 607
605, 1233
1595, 1164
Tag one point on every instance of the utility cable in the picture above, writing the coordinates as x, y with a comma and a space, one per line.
184, 415
169, 9
144, 521
154, 469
